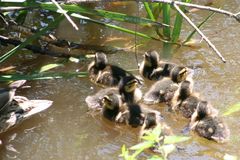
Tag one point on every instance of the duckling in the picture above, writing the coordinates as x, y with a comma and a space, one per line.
127, 89
7, 94
19, 109
207, 124
135, 114
111, 106
153, 69
163, 90
149, 64
105, 74
185, 100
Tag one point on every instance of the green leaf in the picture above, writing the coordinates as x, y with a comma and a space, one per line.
103, 13
48, 67
175, 139
178, 24
229, 157
30, 39
149, 11
232, 109
166, 19
142, 145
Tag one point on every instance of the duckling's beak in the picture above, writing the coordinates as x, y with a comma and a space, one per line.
183, 73
134, 83
146, 55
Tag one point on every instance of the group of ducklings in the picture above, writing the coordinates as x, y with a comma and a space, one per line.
15, 109
120, 100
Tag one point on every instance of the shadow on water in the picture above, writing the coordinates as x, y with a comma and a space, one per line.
68, 131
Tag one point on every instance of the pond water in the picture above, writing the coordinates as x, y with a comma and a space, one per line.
68, 131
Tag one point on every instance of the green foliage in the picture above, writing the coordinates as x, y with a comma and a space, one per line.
232, 109
155, 140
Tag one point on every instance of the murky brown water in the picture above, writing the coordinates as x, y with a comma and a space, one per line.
67, 131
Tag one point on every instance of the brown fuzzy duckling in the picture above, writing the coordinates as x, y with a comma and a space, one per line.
7, 94
127, 89
111, 106
161, 91
206, 124
153, 69
105, 74
185, 100
134, 114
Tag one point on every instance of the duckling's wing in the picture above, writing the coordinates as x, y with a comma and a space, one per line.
157, 91
222, 132
205, 128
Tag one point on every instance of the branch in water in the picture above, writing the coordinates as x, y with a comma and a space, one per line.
198, 30
234, 15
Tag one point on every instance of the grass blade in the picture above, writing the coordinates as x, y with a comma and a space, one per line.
175, 139
232, 109
149, 11
30, 39
84, 10
178, 24
166, 19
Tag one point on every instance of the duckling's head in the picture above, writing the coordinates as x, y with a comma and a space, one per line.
151, 120
202, 110
151, 59
100, 60
110, 102
111, 105
205, 110
136, 117
179, 74
128, 89
185, 89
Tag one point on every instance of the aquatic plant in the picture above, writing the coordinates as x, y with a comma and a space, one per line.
162, 144
164, 31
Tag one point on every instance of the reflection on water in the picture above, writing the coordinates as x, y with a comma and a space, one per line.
68, 131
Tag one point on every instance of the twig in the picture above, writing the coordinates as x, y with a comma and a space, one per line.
65, 14
234, 15
198, 30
